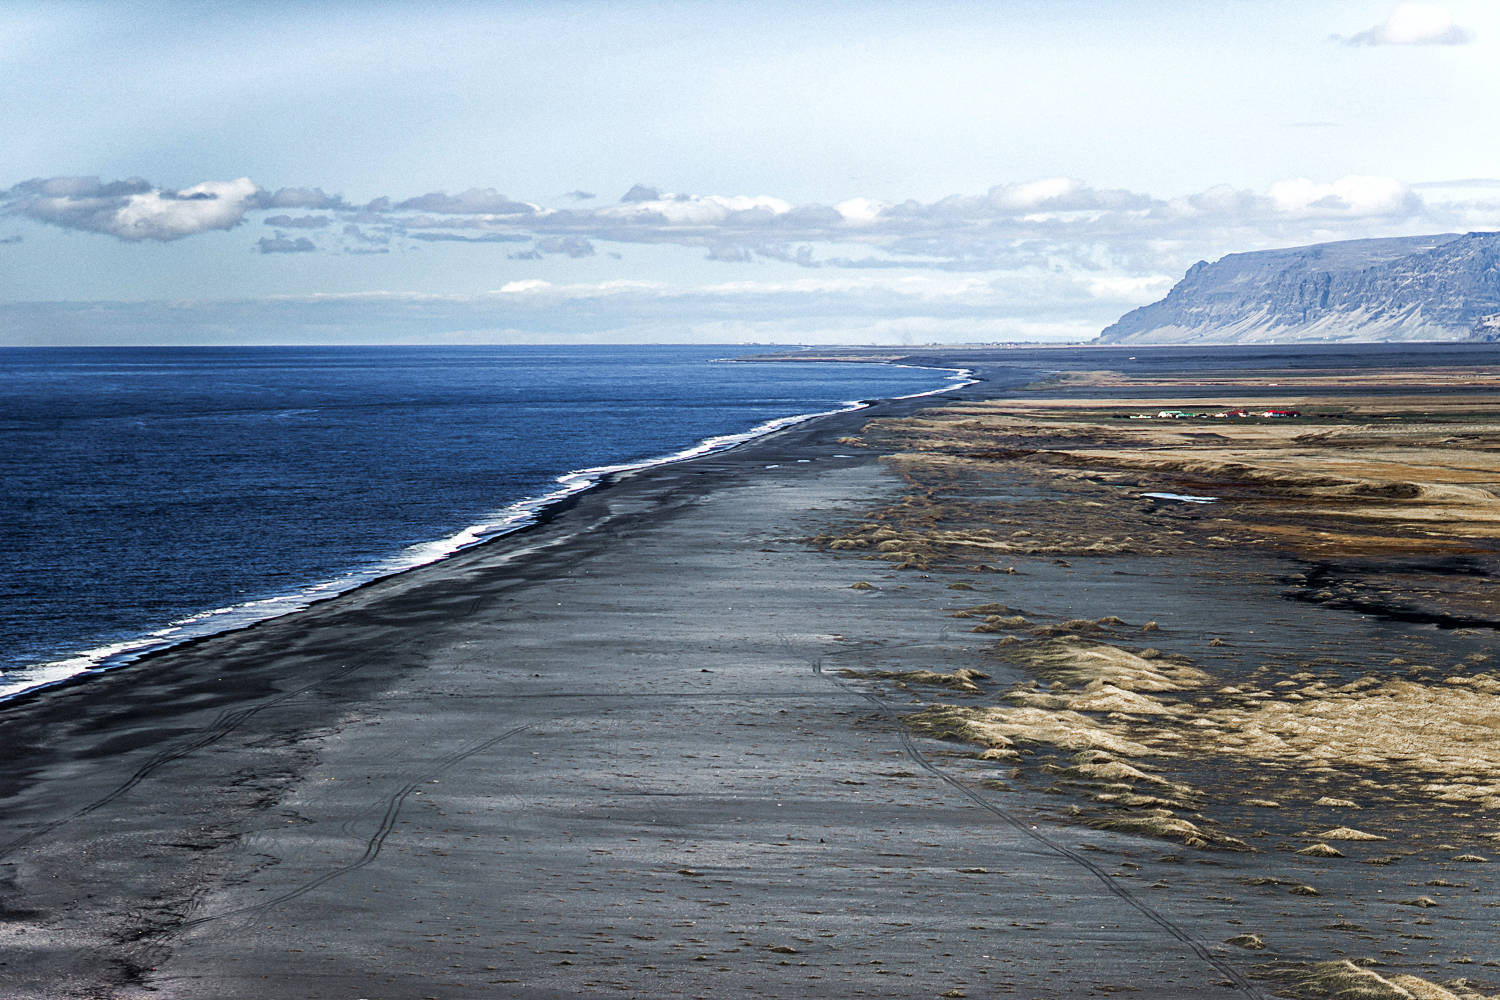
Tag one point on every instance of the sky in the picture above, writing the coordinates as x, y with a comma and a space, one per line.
575, 172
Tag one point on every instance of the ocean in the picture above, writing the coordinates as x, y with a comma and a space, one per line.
152, 495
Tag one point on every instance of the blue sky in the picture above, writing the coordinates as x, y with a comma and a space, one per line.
886, 173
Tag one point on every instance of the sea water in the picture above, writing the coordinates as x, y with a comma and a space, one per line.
150, 495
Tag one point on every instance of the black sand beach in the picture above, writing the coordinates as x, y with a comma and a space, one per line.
644, 748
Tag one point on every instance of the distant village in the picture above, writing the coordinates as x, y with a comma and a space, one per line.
1186, 414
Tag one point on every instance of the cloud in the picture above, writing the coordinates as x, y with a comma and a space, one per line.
581, 195
1048, 223
133, 209
640, 192
1034, 194
1041, 257
693, 209
305, 222
1414, 24
353, 232
459, 238
281, 243
730, 253
573, 246
300, 198
962, 232
526, 285
861, 211
474, 201
1470, 182
1349, 196
14, 238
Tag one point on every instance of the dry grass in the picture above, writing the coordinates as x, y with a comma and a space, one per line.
1192, 835
1321, 851
960, 680
1074, 660
1002, 727
1120, 708
1447, 728
1327, 379
1420, 469
1346, 981
1251, 942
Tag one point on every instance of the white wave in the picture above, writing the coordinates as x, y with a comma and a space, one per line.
960, 377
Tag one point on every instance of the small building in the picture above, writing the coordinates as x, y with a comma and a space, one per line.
1281, 413
1174, 414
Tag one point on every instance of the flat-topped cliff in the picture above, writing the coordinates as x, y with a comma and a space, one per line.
1444, 287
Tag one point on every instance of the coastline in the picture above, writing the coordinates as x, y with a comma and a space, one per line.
198, 704
620, 751
512, 517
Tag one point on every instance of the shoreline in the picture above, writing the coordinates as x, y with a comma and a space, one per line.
550, 709
508, 520
669, 742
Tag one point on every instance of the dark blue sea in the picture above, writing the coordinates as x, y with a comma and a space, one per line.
149, 495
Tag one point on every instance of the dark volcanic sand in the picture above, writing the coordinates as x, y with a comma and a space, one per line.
613, 754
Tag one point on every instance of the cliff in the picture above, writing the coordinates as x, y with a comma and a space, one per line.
1444, 287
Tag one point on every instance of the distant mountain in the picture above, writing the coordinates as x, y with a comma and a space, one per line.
1443, 287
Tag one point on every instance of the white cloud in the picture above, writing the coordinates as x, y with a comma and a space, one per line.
1415, 24
529, 285
695, 209
1055, 225
1055, 222
1034, 194
861, 211
1348, 196
133, 209
160, 215
1125, 288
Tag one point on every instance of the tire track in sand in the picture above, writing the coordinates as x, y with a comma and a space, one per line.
226, 723
376, 841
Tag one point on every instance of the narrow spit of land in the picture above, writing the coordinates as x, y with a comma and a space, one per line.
664, 745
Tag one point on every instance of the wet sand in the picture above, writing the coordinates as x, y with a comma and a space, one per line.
646, 748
